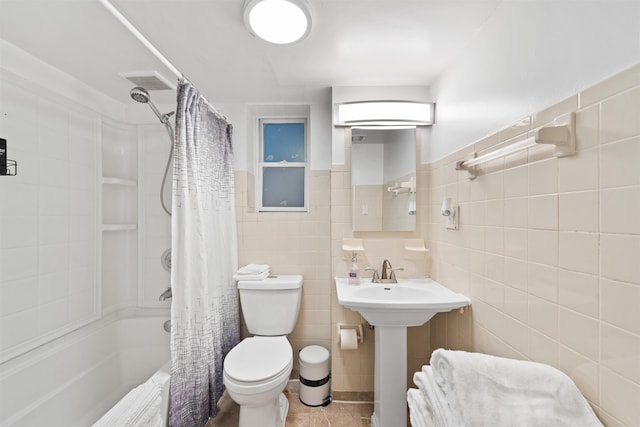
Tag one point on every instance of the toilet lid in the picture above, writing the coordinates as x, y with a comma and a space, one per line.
258, 359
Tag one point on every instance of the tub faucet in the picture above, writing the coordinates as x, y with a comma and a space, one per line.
166, 294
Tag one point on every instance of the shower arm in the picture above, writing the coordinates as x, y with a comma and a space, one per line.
164, 118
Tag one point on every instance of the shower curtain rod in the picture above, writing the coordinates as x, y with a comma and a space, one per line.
133, 30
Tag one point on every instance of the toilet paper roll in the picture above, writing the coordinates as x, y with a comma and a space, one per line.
348, 339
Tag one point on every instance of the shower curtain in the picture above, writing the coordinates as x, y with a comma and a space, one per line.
205, 322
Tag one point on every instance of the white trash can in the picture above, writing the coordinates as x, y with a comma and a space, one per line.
315, 376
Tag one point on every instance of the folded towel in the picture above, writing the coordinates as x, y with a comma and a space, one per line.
440, 412
260, 276
252, 269
418, 412
494, 391
141, 407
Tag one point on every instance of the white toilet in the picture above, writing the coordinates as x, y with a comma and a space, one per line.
257, 370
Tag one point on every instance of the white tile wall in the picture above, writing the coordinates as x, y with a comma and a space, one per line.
48, 216
155, 224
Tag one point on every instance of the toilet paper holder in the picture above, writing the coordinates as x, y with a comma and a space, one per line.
357, 327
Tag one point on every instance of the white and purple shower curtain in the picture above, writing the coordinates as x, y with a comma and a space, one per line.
205, 321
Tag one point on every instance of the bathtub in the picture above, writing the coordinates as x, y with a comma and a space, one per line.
77, 378
146, 405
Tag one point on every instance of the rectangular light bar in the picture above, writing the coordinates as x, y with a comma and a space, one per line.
384, 113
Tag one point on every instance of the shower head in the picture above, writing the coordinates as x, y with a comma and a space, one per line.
140, 94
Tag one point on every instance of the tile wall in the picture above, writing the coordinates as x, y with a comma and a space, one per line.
549, 248
352, 370
292, 243
48, 216
119, 235
155, 225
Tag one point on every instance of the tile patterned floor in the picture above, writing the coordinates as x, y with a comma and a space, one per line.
336, 414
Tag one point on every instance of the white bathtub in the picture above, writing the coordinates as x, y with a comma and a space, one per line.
74, 380
145, 405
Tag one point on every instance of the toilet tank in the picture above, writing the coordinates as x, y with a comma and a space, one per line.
270, 307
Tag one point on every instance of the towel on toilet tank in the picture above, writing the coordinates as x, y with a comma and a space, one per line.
252, 269
253, 272
494, 391
251, 277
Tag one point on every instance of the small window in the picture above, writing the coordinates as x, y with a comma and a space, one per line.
283, 166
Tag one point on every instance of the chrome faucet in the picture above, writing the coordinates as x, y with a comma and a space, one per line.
375, 278
388, 273
166, 294
386, 263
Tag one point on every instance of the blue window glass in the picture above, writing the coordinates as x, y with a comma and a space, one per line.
283, 187
283, 141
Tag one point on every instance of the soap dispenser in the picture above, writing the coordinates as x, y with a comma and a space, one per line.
354, 271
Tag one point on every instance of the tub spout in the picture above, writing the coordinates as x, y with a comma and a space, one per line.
165, 295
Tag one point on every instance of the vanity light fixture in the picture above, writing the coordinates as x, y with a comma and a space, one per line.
384, 114
279, 22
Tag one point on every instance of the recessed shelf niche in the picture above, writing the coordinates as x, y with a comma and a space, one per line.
119, 216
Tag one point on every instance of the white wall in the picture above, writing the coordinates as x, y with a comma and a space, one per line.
58, 269
154, 225
48, 284
32, 69
367, 170
528, 56
399, 154
245, 137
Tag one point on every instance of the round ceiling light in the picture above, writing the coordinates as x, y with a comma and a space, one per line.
278, 21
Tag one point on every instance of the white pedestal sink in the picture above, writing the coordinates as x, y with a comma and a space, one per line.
391, 308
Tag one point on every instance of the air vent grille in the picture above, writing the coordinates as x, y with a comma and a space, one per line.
150, 80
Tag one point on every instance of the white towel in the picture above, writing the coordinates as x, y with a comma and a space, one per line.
141, 407
418, 412
260, 276
499, 392
439, 411
253, 269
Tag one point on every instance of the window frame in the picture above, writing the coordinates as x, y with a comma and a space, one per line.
261, 164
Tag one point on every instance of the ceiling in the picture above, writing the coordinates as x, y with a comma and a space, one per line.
352, 43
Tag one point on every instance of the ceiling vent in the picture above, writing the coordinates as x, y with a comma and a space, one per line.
150, 80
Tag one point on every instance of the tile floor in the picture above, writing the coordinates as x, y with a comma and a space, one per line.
336, 414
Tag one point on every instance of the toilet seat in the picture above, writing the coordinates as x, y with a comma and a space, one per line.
258, 360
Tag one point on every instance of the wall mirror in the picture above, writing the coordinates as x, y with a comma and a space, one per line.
383, 179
